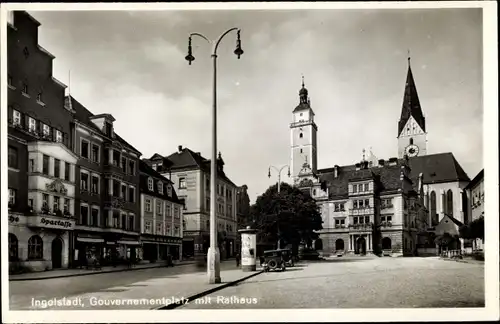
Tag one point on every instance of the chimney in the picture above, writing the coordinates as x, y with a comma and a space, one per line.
335, 171
179, 148
381, 162
358, 166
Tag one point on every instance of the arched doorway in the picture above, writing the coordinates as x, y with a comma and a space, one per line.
57, 247
339, 245
361, 245
386, 243
318, 244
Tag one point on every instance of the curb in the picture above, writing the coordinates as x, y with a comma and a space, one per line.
94, 273
207, 292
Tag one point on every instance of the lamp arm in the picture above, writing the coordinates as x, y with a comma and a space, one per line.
201, 36
216, 44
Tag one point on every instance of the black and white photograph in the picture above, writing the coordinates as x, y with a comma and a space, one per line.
232, 162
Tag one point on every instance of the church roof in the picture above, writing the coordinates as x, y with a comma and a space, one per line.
436, 168
411, 104
476, 180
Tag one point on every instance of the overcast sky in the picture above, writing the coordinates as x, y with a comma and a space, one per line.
131, 64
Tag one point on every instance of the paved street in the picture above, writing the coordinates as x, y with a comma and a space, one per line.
155, 282
358, 283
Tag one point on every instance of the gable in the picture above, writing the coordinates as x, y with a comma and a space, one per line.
411, 128
448, 225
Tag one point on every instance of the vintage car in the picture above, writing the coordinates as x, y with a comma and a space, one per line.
273, 260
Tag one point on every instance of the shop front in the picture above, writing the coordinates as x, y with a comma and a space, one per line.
157, 247
38, 242
88, 246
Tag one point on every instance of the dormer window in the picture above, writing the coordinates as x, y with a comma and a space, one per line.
150, 184
25, 88
160, 187
169, 190
108, 128
39, 97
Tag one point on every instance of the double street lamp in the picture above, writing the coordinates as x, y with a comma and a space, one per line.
213, 257
279, 187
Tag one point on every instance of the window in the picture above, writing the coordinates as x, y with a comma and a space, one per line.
84, 183
13, 247
386, 203
55, 206
16, 117
354, 188
176, 231
84, 215
35, 248
168, 210
183, 224
148, 205
25, 87
159, 228
131, 194
116, 158
31, 165
45, 169
45, 201
366, 186
95, 216
66, 206
169, 190
45, 130
124, 222
150, 184
300, 150
131, 222
12, 159
339, 207
59, 137
108, 129
153, 166
176, 212
123, 194
160, 187
95, 184
116, 188
12, 196
159, 209
131, 167
67, 167
411, 141
57, 168
30, 203
95, 153
147, 227
229, 210
182, 183
207, 204
39, 97
84, 152
386, 218
124, 165
169, 230
32, 125
339, 222
367, 203
367, 219
300, 135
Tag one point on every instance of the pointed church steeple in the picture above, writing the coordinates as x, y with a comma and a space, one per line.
411, 103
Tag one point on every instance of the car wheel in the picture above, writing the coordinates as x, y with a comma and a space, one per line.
272, 264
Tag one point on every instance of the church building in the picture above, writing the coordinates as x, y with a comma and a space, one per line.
377, 206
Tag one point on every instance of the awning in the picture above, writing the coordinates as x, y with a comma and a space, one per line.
129, 242
90, 240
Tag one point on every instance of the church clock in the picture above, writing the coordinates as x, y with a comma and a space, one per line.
412, 150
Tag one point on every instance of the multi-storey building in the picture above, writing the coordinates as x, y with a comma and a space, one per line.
475, 194
108, 214
161, 216
41, 174
380, 205
190, 173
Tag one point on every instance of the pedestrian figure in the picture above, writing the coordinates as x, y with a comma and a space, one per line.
238, 257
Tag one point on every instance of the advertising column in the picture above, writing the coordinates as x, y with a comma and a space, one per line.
248, 249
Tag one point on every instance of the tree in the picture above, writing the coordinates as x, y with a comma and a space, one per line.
292, 215
473, 230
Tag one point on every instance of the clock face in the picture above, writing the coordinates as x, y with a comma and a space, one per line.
412, 150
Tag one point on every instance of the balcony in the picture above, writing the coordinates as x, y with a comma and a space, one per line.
301, 123
386, 206
114, 201
364, 227
113, 167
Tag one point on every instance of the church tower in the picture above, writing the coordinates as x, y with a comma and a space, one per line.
303, 132
412, 136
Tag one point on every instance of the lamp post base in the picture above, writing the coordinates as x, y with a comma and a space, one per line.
213, 265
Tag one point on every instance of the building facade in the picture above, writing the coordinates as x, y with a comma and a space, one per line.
380, 206
108, 205
242, 212
41, 174
161, 217
475, 194
190, 174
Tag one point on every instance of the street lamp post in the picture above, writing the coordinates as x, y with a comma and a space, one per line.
279, 186
213, 257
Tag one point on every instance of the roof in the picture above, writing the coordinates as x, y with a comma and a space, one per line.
84, 116
479, 177
454, 220
387, 178
145, 173
186, 159
437, 168
411, 104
